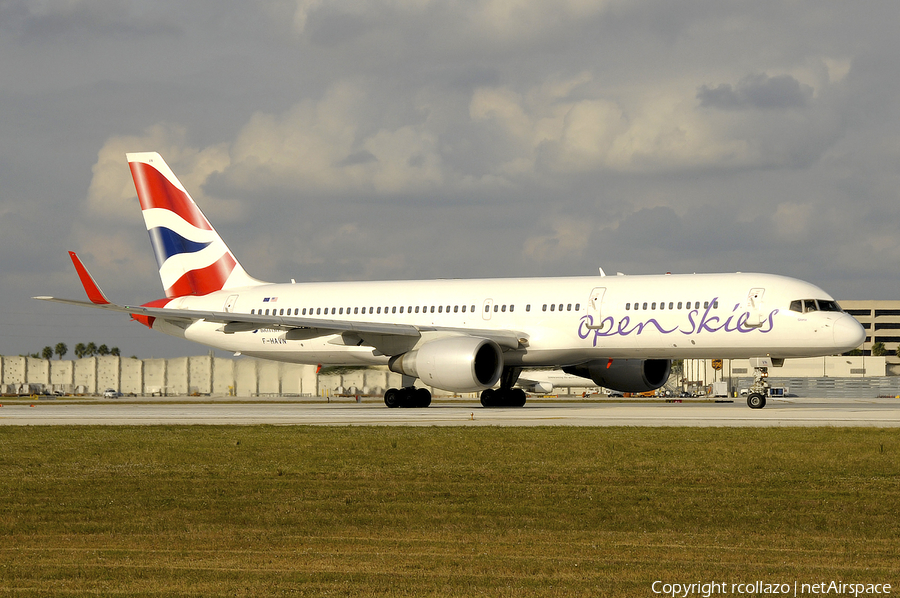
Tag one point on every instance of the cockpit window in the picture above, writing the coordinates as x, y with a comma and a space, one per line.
807, 305
828, 305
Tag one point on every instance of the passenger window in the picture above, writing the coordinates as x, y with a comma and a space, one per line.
679, 305
696, 305
706, 305
496, 307
487, 308
627, 307
715, 305
378, 310
577, 307
252, 311
511, 308
644, 306
394, 309
464, 309
440, 309
472, 309
545, 307
455, 309
671, 305
569, 307
503, 308
552, 307
417, 309
432, 309
527, 307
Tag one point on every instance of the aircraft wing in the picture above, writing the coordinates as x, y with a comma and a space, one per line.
386, 338
390, 339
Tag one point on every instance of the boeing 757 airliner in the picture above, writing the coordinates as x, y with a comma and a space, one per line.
620, 331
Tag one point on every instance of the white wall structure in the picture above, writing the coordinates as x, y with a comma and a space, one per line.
223, 377
155, 377
37, 371
108, 368
14, 370
131, 375
86, 376
248, 377
62, 375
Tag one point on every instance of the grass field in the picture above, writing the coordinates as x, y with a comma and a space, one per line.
262, 511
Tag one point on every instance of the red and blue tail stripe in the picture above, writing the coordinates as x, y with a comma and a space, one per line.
192, 258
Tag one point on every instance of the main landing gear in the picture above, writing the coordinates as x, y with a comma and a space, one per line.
506, 395
409, 396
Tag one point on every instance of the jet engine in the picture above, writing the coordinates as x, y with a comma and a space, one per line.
625, 375
456, 363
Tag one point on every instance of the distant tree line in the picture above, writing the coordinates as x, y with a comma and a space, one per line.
81, 350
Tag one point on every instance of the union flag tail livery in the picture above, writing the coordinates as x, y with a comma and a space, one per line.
192, 258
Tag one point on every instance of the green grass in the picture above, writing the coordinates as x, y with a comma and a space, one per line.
254, 511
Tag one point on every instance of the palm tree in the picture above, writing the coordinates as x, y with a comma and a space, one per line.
47, 352
114, 351
61, 349
90, 349
79, 350
103, 350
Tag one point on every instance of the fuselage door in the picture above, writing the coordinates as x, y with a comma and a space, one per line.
755, 307
229, 303
595, 307
486, 310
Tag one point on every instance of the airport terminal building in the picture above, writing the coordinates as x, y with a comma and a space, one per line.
881, 319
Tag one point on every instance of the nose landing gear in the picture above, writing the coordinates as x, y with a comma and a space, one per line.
756, 397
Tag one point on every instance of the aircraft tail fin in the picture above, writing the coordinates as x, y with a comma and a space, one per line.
192, 257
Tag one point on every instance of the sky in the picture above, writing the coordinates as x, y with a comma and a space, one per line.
408, 139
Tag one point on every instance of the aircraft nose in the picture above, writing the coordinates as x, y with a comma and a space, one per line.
848, 333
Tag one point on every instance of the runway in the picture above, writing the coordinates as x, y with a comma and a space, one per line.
794, 412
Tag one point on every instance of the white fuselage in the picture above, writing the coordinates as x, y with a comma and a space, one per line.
563, 321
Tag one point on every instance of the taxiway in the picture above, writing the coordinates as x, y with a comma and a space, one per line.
795, 412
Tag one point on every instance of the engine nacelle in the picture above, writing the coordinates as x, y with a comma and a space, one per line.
625, 375
456, 363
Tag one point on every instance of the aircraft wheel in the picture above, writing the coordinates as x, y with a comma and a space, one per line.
392, 398
422, 397
756, 400
488, 398
517, 397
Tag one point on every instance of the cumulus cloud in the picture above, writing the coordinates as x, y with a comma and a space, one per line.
757, 91
76, 18
567, 240
658, 132
111, 195
325, 146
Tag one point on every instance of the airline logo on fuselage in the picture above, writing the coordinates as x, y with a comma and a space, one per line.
695, 324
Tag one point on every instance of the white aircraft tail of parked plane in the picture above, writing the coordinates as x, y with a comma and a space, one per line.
622, 332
